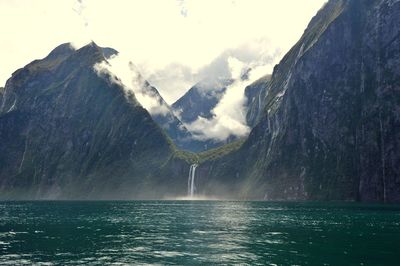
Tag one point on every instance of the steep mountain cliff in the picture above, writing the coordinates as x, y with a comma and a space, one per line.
255, 94
330, 127
68, 133
1, 94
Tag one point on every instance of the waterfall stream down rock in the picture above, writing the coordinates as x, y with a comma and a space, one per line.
191, 185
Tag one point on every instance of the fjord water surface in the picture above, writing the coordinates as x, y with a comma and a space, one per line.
198, 233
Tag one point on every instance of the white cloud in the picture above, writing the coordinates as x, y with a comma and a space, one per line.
229, 116
171, 42
126, 74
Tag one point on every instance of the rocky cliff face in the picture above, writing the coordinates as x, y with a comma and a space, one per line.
1, 94
67, 133
330, 127
255, 94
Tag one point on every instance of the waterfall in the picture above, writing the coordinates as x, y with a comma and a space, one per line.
191, 186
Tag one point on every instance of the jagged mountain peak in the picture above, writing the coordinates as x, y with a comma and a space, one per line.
212, 84
91, 53
61, 50
86, 55
94, 49
108, 52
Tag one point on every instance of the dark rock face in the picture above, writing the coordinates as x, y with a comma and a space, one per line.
1, 94
330, 129
255, 94
67, 133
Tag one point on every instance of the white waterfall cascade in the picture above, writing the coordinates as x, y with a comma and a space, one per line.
192, 174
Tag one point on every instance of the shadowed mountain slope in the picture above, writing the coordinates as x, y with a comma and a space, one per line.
67, 133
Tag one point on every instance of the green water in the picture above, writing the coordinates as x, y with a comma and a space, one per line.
199, 233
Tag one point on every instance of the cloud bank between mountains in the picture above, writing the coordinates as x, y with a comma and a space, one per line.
229, 116
173, 44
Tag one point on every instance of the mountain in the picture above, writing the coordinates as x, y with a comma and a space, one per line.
204, 96
67, 132
330, 126
167, 120
1, 94
255, 93
200, 99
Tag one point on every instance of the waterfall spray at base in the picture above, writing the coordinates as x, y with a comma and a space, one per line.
192, 174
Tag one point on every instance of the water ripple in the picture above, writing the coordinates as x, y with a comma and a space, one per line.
197, 233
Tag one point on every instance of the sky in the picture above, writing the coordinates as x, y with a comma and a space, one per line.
173, 43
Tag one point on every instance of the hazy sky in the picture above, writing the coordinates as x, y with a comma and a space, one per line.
174, 43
